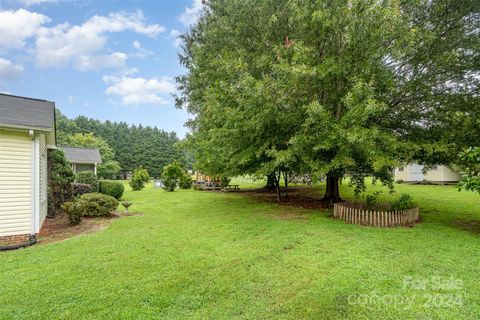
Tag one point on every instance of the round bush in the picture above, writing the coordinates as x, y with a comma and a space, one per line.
74, 214
97, 205
81, 188
88, 177
112, 188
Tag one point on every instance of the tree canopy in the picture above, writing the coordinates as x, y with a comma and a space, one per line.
332, 87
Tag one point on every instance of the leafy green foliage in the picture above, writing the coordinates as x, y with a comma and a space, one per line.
403, 202
331, 88
112, 188
60, 178
185, 181
73, 212
139, 178
88, 177
172, 175
97, 205
470, 161
81, 188
371, 200
130, 146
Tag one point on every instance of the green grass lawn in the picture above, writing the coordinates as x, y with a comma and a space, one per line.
206, 255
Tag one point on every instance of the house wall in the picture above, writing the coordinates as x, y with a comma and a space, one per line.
16, 200
438, 174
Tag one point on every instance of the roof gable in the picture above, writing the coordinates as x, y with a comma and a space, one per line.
28, 113
82, 155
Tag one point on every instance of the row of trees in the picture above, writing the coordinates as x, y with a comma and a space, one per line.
331, 87
122, 146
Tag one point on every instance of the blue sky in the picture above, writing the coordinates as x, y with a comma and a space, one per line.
110, 60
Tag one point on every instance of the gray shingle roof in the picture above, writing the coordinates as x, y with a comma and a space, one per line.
26, 112
82, 155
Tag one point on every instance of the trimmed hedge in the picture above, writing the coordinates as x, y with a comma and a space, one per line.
112, 188
88, 177
97, 205
81, 188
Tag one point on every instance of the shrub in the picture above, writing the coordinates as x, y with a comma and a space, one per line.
185, 181
171, 175
399, 181
139, 178
72, 209
60, 177
88, 177
371, 200
97, 205
224, 182
81, 188
112, 188
403, 202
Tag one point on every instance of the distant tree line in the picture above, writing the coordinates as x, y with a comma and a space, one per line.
129, 146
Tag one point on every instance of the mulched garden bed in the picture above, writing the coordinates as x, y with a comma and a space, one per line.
59, 228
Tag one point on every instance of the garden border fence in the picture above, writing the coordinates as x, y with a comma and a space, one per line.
354, 214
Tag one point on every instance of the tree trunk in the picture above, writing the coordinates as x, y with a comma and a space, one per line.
270, 181
332, 192
285, 178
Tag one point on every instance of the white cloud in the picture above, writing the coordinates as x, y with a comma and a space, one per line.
141, 51
136, 91
96, 62
9, 71
175, 35
29, 3
17, 26
79, 45
191, 14
71, 99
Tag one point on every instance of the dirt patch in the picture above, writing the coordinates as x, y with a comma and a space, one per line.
59, 228
471, 226
298, 197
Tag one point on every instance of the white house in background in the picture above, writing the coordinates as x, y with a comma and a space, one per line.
82, 159
27, 129
437, 174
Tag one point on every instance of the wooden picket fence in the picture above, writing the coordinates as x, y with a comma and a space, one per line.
357, 214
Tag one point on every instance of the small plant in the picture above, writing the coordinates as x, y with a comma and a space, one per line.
173, 174
139, 178
81, 188
72, 209
97, 205
371, 200
426, 182
126, 205
399, 181
112, 188
403, 202
88, 177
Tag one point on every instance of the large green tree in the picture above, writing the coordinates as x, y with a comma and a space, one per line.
331, 86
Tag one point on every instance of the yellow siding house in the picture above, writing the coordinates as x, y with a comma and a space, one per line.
27, 130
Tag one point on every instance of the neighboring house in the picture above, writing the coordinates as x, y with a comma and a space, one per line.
437, 174
27, 129
82, 159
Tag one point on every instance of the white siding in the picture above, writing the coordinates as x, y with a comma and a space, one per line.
43, 206
15, 183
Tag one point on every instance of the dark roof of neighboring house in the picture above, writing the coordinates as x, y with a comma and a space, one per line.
82, 155
22, 112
